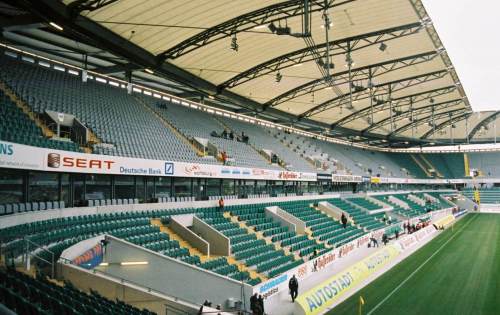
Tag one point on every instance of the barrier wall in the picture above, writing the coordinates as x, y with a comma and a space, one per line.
219, 243
271, 212
189, 236
170, 276
300, 226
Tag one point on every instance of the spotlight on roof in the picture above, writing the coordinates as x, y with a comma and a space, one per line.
278, 77
234, 43
382, 46
357, 88
56, 26
149, 71
211, 97
330, 65
279, 30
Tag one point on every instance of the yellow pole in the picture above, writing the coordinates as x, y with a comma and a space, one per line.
361, 303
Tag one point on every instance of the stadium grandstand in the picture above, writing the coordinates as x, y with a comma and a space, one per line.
241, 157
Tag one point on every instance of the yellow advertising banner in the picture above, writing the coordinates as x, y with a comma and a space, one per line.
325, 294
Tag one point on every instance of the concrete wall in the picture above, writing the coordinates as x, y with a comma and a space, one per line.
189, 236
332, 210
271, 212
133, 294
170, 276
300, 226
219, 243
399, 202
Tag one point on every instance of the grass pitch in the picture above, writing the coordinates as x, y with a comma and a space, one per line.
458, 272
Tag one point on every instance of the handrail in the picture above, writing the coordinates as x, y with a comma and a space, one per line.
34, 254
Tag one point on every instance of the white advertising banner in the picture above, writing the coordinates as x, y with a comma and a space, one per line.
347, 178
13, 155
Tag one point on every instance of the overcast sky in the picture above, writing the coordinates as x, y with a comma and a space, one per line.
470, 32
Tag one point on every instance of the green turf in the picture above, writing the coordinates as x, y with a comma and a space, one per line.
463, 278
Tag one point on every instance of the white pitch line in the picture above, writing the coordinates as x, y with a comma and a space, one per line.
416, 270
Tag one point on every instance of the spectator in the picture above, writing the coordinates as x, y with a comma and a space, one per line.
385, 239
224, 157
231, 135
221, 204
373, 242
397, 234
343, 219
315, 252
224, 134
293, 286
260, 302
253, 303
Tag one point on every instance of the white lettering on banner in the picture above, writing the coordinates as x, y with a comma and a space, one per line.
19, 156
347, 178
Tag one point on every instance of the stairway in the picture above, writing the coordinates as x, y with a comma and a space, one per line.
224, 126
422, 167
259, 236
183, 243
430, 166
171, 127
93, 139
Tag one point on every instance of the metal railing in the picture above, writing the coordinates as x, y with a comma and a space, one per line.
31, 251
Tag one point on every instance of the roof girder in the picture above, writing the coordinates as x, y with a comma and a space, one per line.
415, 98
483, 122
245, 22
423, 120
337, 47
416, 111
361, 73
365, 94
445, 124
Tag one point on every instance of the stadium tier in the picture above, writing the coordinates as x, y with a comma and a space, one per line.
213, 157
24, 294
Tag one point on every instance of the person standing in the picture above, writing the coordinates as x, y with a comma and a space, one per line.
343, 219
221, 204
293, 286
253, 303
260, 302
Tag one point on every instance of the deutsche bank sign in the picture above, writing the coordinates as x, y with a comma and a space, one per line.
169, 168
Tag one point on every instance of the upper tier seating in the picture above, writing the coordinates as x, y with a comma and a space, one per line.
263, 138
360, 161
450, 165
405, 161
195, 123
113, 115
486, 162
17, 127
26, 295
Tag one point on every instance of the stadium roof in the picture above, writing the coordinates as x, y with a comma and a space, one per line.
266, 58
